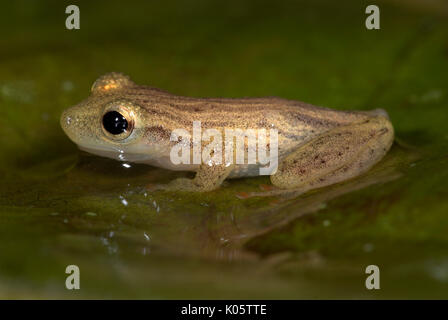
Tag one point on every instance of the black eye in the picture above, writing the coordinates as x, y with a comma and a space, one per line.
114, 122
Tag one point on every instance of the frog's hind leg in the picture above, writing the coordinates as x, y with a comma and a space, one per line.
334, 156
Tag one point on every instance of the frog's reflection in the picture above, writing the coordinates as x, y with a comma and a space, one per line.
217, 225
226, 239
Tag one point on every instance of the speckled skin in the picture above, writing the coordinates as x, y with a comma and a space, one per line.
316, 146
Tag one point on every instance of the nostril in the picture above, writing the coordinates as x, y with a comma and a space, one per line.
66, 120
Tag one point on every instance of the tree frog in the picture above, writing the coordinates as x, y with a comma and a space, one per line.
317, 146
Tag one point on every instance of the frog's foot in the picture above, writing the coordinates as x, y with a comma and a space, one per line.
180, 184
208, 178
268, 190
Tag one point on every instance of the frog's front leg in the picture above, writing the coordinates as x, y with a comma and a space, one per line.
334, 156
208, 178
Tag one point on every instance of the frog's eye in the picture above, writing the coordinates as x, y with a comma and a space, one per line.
114, 122
117, 124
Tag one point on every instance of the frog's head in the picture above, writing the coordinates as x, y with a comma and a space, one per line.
108, 124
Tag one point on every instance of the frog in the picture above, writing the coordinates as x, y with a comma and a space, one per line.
317, 146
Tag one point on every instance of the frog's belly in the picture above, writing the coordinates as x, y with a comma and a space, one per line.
239, 170
242, 170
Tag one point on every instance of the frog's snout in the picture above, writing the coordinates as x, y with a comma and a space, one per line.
66, 122
66, 119
74, 125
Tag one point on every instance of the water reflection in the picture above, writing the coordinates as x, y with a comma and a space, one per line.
104, 199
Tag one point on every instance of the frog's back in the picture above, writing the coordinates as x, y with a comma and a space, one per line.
296, 122
239, 112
